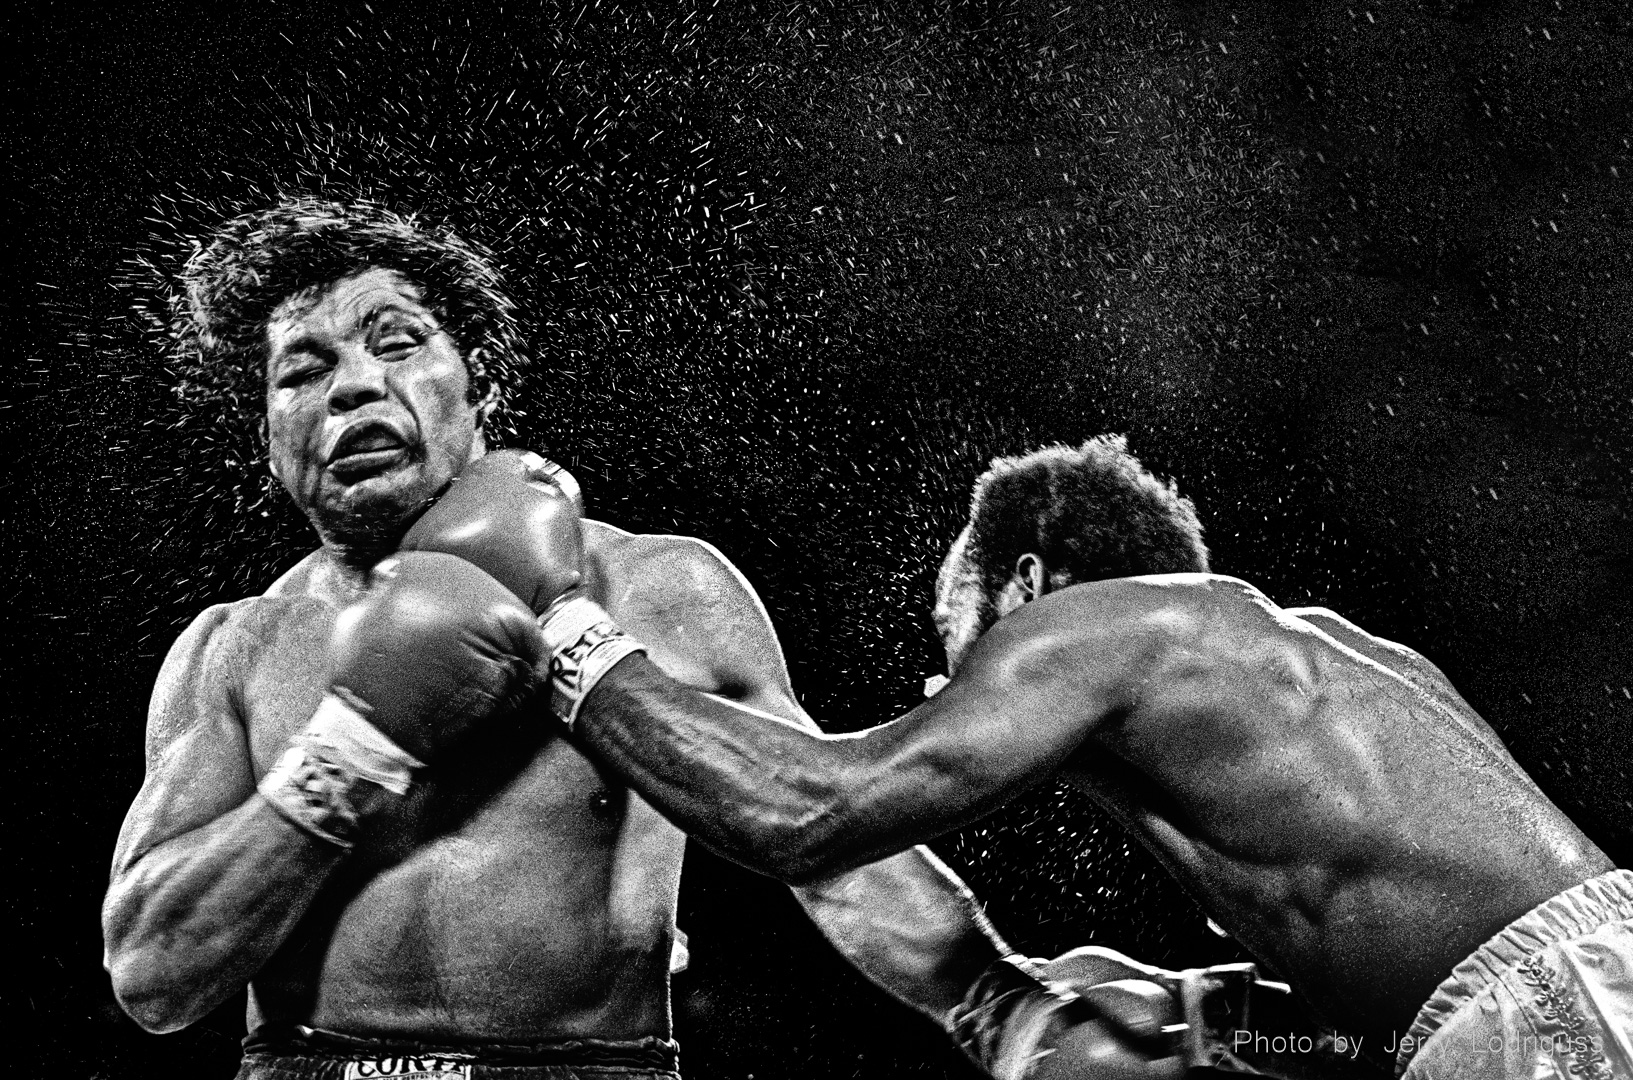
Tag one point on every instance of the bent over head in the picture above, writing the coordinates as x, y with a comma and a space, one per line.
1055, 517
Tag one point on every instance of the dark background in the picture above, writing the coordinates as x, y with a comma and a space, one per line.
1360, 277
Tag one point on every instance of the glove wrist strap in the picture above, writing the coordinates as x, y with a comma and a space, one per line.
318, 781
1218, 1002
584, 644
1007, 1020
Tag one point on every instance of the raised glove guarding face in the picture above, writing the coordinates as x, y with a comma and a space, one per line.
433, 649
515, 515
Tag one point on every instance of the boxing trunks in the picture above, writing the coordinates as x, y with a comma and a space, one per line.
301, 1053
1548, 998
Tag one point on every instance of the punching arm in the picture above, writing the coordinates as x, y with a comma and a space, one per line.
802, 806
907, 922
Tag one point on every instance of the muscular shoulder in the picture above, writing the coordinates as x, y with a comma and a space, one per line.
211, 641
663, 571
694, 610
1400, 659
1172, 622
1183, 608
206, 665
204, 662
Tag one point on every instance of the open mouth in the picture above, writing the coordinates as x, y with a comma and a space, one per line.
364, 449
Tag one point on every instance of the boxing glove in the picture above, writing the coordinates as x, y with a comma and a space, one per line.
433, 649
1196, 1014
514, 515
1143, 1001
1018, 1024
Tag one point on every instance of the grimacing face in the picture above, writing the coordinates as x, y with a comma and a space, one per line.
367, 405
958, 607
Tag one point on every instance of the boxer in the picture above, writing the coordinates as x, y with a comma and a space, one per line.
1327, 796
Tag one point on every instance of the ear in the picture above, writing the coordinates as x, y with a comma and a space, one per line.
264, 434
1032, 576
476, 370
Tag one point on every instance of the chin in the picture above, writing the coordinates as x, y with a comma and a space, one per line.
373, 511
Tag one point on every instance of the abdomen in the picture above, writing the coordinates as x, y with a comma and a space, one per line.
534, 909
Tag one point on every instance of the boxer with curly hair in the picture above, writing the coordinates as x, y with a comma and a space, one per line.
1327, 796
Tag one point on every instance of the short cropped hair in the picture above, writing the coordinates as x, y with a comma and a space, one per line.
1090, 512
239, 275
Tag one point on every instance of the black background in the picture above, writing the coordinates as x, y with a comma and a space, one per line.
1360, 277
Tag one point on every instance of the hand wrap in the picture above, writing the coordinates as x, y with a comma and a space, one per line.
1007, 1022
314, 783
584, 644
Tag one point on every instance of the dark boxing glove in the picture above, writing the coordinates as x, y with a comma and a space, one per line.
516, 516
1011, 1019
1210, 1010
434, 648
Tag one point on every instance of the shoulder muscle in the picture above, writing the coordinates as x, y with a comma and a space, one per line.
196, 675
197, 753
703, 607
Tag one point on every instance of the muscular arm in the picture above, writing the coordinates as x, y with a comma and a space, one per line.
208, 880
799, 805
907, 922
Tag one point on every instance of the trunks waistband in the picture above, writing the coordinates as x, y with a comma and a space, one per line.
298, 1040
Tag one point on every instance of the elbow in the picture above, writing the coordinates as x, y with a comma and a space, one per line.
157, 1003
803, 864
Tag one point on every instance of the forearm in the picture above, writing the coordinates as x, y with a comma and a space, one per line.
910, 926
192, 920
759, 790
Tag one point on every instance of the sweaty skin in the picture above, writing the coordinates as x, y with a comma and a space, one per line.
1328, 797
517, 893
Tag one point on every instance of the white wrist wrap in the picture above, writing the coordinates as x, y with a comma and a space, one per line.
584, 644
314, 780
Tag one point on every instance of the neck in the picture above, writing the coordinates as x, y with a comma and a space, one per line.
349, 556
358, 540
339, 575
357, 558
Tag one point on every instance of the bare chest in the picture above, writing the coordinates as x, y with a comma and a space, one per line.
514, 783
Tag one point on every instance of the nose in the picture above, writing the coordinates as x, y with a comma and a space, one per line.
359, 377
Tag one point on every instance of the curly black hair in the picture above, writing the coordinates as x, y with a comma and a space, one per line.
236, 279
1091, 512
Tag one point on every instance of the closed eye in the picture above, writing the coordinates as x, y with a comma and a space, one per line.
393, 336
396, 345
301, 373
